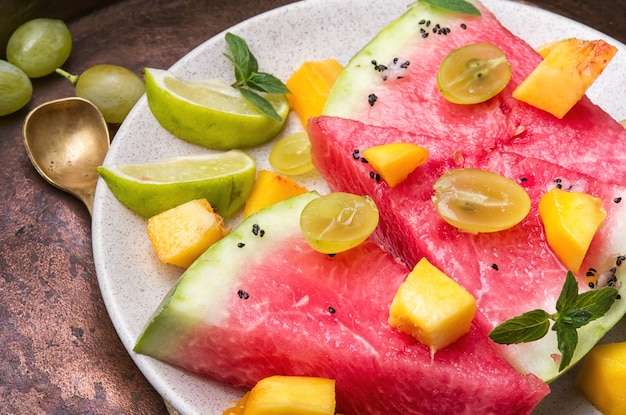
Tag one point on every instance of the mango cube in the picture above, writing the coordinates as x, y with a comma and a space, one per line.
310, 85
432, 307
570, 221
602, 378
270, 188
181, 234
395, 161
568, 69
291, 395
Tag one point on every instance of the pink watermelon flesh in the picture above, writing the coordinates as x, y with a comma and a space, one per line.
509, 272
587, 140
299, 312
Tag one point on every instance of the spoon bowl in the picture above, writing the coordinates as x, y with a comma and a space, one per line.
66, 140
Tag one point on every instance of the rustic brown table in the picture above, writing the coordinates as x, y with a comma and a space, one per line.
59, 352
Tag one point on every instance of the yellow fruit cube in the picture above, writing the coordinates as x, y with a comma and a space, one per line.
568, 69
291, 395
181, 234
570, 220
602, 378
395, 161
310, 85
432, 307
270, 188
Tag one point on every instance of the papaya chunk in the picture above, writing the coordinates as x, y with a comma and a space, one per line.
310, 85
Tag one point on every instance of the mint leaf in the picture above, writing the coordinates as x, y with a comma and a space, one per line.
261, 103
244, 61
597, 302
267, 83
248, 77
567, 340
569, 293
458, 6
575, 318
528, 327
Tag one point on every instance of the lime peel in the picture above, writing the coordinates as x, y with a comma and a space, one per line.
225, 179
222, 119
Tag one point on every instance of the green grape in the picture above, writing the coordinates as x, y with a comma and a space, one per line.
291, 155
479, 201
473, 73
111, 88
39, 46
15, 88
338, 221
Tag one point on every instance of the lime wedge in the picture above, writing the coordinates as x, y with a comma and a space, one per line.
224, 179
210, 113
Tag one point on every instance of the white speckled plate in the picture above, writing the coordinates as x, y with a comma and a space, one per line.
133, 281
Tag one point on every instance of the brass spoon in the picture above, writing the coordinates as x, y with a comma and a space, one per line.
66, 140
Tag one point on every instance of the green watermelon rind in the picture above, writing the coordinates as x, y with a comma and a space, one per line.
351, 89
348, 98
186, 303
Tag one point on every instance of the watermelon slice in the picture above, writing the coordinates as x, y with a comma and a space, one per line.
509, 272
261, 302
586, 141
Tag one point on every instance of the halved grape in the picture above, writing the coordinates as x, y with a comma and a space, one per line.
39, 46
112, 88
338, 221
479, 201
15, 88
291, 155
473, 73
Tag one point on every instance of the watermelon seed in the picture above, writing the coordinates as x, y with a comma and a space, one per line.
463, 26
257, 231
495, 267
243, 295
331, 255
378, 67
240, 245
372, 174
617, 199
371, 99
331, 310
355, 154
364, 160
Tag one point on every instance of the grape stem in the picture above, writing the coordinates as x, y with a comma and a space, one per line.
72, 78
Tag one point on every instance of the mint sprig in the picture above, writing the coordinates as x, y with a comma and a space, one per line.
574, 311
458, 6
248, 79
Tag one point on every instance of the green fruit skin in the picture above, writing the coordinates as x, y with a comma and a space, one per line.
16, 89
205, 132
149, 199
111, 88
39, 46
